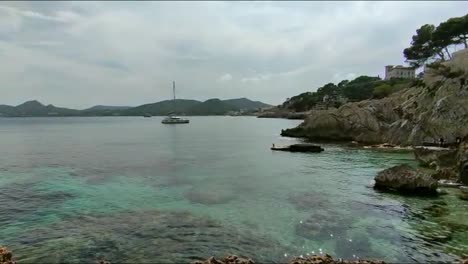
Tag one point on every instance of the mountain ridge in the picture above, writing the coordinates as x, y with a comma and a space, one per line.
214, 106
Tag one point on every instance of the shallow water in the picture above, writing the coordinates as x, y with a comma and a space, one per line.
132, 189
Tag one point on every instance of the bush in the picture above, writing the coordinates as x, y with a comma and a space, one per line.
382, 91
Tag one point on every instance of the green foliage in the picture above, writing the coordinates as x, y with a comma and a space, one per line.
382, 91
431, 42
360, 88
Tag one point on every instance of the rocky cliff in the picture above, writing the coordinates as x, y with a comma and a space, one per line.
431, 108
434, 107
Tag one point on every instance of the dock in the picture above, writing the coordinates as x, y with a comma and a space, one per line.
304, 147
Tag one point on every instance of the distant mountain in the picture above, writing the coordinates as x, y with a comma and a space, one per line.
162, 108
35, 108
106, 107
180, 106
103, 110
246, 104
211, 107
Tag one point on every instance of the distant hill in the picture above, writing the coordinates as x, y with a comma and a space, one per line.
162, 108
212, 107
106, 107
103, 110
35, 108
244, 103
180, 106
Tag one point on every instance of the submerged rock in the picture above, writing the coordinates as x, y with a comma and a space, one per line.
143, 236
309, 200
319, 226
208, 197
437, 210
404, 179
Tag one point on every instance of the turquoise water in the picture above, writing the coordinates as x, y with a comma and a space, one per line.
134, 190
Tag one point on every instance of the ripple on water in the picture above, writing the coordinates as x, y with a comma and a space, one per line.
142, 236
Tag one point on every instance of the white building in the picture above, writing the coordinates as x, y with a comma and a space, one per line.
399, 72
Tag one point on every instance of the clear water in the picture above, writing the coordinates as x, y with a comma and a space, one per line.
135, 190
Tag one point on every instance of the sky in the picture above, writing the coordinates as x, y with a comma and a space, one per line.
79, 54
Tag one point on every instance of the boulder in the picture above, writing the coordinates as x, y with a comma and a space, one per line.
448, 175
464, 192
435, 157
406, 180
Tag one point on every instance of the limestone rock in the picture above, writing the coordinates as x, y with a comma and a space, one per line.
436, 108
440, 157
404, 179
5, 256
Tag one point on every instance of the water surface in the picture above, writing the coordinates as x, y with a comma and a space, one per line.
132, 189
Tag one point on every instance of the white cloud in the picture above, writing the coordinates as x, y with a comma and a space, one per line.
59, 16
225, 77
258, 78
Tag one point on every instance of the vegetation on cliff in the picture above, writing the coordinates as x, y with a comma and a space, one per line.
361, 88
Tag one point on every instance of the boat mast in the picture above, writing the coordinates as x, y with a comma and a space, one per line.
173, 92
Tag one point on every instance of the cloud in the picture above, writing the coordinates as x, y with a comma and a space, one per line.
58, 16
129, 52
225, 77
257, 78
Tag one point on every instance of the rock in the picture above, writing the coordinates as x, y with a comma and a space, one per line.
5, 256
406, 180
447, 176
464, 192
327, 259
447, 183
233, 259
313, 259
440, 157
304, 147
464, 173
435, 108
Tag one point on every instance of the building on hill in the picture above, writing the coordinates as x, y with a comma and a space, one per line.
399, 72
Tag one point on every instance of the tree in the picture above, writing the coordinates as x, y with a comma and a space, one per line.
430, 42
360, 88
422, 47
452, 32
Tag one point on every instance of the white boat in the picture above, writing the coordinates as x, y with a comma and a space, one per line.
175, 120
172, 119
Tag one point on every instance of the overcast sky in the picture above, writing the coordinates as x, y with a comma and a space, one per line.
78, 54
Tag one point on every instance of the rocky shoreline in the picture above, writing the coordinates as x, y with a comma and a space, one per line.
434, 108
6, 257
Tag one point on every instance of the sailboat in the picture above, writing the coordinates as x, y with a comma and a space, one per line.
172, 119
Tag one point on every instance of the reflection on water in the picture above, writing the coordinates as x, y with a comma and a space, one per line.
132, 189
